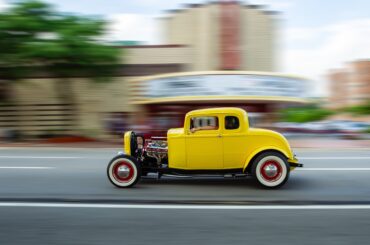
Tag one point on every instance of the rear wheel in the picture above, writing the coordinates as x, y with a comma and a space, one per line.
123, 171
271, 169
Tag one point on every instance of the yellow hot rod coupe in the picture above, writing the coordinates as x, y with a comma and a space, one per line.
216, 141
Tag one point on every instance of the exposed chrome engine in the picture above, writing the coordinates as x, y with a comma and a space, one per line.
157, 148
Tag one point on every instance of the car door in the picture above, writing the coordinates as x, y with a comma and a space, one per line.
234, 142
204, 144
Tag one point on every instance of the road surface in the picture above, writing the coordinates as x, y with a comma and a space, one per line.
62, 196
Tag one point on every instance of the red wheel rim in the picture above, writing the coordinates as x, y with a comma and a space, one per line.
123, 166
271, 170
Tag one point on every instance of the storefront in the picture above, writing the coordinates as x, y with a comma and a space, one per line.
164, 100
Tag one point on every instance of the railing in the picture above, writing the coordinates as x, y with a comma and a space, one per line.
29, 121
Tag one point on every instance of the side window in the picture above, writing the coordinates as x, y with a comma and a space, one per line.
203, 123
231, 122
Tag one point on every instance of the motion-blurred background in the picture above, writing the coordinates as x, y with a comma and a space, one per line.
73, 71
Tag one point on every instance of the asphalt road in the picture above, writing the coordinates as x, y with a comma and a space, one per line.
62, 196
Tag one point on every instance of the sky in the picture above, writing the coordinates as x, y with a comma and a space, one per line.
314, 36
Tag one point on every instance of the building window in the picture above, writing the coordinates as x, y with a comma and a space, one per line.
231, 122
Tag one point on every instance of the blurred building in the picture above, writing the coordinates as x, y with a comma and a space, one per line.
218, 35
224, 35
350, 85
221, 53
165, 99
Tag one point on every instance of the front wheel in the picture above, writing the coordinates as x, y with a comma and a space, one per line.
271, 169
123, 171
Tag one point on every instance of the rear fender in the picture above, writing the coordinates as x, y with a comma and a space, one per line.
262, 149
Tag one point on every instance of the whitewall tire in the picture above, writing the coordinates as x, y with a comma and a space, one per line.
123, 171
271, 169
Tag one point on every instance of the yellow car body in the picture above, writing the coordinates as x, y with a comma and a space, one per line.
222, 148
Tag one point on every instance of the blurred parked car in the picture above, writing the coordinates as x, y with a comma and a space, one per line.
354, 127
288, 126
333, 126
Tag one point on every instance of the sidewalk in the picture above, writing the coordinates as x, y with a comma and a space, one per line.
319, 143
322, 143
37, 144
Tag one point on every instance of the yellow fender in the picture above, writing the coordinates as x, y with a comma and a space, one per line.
259, 150
127, 143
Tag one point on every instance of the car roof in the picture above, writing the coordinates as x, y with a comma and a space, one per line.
219, 110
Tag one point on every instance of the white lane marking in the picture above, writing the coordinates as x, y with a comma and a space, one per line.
164, 206
42, 157
333, 158
100, 157
25, 167
333, 169
297, 169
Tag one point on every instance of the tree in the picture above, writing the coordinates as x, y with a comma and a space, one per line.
363, 109
304, 114
34, 37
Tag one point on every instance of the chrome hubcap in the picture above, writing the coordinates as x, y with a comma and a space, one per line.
123, 171
271, 170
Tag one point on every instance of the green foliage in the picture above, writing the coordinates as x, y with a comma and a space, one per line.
304, 114
32, 33
359, 110
19, 26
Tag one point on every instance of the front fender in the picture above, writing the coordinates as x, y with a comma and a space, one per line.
261, 149
127, 143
